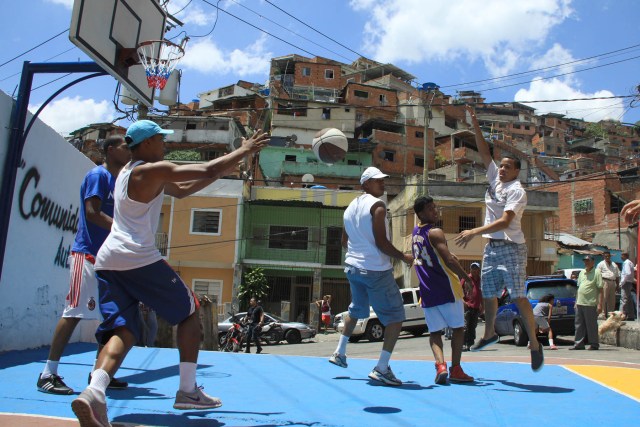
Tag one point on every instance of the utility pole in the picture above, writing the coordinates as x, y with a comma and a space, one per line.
428, 88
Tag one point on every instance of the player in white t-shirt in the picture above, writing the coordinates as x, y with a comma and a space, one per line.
504, 262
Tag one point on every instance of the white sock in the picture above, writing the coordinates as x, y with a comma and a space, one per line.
188, 376
342, 345
50, 368
551, 341
100, 380
383, 362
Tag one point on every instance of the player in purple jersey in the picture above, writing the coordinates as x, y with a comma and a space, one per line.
439, 274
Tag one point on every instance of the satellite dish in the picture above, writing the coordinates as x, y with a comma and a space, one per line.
293, 137
307, 177
236, 143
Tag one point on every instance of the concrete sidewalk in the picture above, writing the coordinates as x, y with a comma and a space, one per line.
276, 390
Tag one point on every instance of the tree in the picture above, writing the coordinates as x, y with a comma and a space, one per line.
595, 130
183, 155
254, 284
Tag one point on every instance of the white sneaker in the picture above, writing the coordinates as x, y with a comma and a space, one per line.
387, 378
339, 360
91, 408
196, 400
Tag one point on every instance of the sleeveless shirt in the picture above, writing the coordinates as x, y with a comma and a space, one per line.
132, 241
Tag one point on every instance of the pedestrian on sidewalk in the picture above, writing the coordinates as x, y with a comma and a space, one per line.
365, 237
472, 306
439, 276
627, 282
611, 278
588, 306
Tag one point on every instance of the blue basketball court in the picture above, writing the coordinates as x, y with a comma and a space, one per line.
270, 390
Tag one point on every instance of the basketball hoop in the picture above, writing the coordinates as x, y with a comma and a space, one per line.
159, 58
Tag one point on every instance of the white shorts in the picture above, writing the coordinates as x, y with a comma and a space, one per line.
82, 300
445, 315
542, 322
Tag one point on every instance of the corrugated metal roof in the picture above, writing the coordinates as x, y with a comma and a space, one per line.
566, 239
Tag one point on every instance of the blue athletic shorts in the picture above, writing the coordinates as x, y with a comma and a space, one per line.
156, 285
504, 265
378, 289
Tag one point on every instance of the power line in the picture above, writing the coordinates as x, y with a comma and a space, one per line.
562, 74
35, 47
259, 29
317, 31
509, 76
291, 31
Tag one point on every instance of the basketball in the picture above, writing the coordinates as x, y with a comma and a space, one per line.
330, 145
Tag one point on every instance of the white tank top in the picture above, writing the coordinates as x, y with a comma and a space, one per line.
362, 251
132, 241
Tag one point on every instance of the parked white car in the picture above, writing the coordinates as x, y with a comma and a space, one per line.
371, 328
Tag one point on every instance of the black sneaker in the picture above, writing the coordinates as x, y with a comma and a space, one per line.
114, 384
482, 343
537, 359
53, 384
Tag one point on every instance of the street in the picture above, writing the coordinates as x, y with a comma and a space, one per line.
417, 348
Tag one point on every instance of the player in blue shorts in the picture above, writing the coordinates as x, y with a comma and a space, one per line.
370, 273
131, 270
441, 295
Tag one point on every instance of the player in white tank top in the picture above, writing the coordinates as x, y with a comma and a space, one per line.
131, 270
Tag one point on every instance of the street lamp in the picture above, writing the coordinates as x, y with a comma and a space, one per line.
428, 88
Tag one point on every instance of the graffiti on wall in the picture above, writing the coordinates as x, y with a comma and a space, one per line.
35, 205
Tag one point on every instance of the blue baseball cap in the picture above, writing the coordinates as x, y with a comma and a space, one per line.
143, 129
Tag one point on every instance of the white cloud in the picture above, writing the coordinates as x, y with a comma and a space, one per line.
592, 110
68, 114
500, 33
191, 13
66, 3
206, 57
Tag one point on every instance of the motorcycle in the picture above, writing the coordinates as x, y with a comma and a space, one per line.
272, 333
234, 338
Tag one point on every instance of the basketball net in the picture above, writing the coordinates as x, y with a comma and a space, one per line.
159, 58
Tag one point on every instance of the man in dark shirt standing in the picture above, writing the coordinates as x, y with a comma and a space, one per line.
472, 307
255, 317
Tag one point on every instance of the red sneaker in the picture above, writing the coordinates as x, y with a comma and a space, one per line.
441, 373
457, 375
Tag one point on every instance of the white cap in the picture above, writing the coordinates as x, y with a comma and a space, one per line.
370, 173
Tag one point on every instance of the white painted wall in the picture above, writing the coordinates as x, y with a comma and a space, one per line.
35, 277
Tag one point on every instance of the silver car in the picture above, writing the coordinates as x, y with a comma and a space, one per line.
294, 332
371, 328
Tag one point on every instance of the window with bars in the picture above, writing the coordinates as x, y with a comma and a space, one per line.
206, 221
286, 237
210, 288
583, 206
466, 223
455, 219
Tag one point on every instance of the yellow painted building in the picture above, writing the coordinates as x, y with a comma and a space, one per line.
198, 236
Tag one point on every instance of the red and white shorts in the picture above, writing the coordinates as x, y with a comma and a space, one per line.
82, 300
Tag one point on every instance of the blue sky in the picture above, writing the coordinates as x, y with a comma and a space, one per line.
449, 42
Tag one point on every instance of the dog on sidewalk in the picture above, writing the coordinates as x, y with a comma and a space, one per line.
615, 320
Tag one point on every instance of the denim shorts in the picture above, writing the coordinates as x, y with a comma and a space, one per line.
504, 265
377, 289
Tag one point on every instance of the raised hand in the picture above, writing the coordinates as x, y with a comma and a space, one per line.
257, 141
631, 210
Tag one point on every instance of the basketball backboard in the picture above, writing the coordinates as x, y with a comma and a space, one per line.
103, 28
